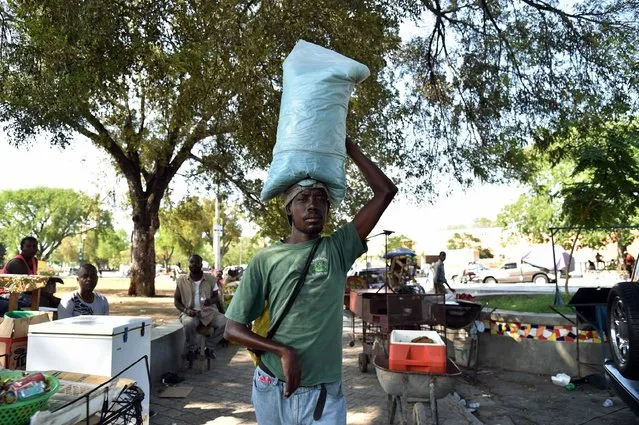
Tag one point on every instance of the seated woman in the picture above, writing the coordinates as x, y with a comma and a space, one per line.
84, 301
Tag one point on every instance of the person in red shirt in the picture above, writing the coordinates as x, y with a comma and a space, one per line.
629, 261
25, 262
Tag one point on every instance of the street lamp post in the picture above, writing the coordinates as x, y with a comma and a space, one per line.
83, 238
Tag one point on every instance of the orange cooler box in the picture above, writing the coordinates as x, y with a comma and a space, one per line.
417, 357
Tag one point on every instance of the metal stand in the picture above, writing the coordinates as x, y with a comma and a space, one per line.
125, 409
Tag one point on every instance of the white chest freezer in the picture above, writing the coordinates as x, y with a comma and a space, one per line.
97, 345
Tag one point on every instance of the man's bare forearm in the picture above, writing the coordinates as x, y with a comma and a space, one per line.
379, 183
240, 333
383, 188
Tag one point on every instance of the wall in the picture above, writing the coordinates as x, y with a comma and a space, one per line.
539, 343
167, 345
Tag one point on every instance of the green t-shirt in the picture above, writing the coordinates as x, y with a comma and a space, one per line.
313, 325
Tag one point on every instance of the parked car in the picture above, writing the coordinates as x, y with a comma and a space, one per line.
513, 272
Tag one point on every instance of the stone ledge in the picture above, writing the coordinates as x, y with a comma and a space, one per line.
167, 344
525, 317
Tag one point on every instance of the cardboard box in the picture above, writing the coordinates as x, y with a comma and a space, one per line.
14, 329
418, 357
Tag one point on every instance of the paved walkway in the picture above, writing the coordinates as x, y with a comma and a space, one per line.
222, 396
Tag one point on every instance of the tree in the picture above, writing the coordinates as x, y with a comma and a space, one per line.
189, 225
463, 240
184, 225
242, 250
3, 252
487, 77
159, 83
153, 83
400, 241
165, 248
483, 222
51, 215
229, 217
602, 190
111, 244
466, 240
530, 218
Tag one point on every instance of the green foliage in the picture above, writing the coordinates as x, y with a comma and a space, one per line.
242, 250
602, 189
529, 217
466, 240
188, 227
106, 249
463, 240
111, 249
400, 241
51, 215
486, 75
482, 222
606, 173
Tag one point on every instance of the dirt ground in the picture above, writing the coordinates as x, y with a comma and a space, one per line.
160, 308
525, 399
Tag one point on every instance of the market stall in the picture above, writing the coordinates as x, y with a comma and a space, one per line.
15, 284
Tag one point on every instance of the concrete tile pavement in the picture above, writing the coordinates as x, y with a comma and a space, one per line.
222, 395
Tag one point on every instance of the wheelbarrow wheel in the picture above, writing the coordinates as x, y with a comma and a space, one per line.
362, 361
419, 414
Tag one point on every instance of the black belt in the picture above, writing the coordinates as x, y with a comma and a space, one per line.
321, 401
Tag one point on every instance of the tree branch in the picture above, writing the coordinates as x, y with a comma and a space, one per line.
509, 49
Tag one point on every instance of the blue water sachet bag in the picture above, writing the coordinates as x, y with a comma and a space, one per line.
318, 84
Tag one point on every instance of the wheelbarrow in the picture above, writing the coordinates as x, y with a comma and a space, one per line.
414, 387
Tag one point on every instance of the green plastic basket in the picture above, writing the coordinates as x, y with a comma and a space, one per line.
20, 412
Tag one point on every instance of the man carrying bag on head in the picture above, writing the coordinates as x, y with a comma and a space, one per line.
299, 373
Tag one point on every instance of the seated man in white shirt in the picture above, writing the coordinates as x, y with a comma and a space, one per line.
84, 301
198, 298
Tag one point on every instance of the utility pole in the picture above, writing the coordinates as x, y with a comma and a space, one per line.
217, 229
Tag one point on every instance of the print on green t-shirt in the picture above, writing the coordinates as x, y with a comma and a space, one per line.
313, 326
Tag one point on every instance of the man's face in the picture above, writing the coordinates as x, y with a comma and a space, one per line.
29, 248
195, 265
309, 209
88, 280
442, 257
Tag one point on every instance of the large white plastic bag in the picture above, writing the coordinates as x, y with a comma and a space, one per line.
312, 124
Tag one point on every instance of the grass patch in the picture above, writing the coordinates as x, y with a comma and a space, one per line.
532, 303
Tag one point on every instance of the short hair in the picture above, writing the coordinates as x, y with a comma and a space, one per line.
27, 239
86, 269
195, 257
442, 253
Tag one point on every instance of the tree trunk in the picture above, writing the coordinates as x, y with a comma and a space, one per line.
143, 253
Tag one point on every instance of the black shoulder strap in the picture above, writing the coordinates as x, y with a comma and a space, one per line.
296, 291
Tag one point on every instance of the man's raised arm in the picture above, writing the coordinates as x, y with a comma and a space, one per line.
384, 191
